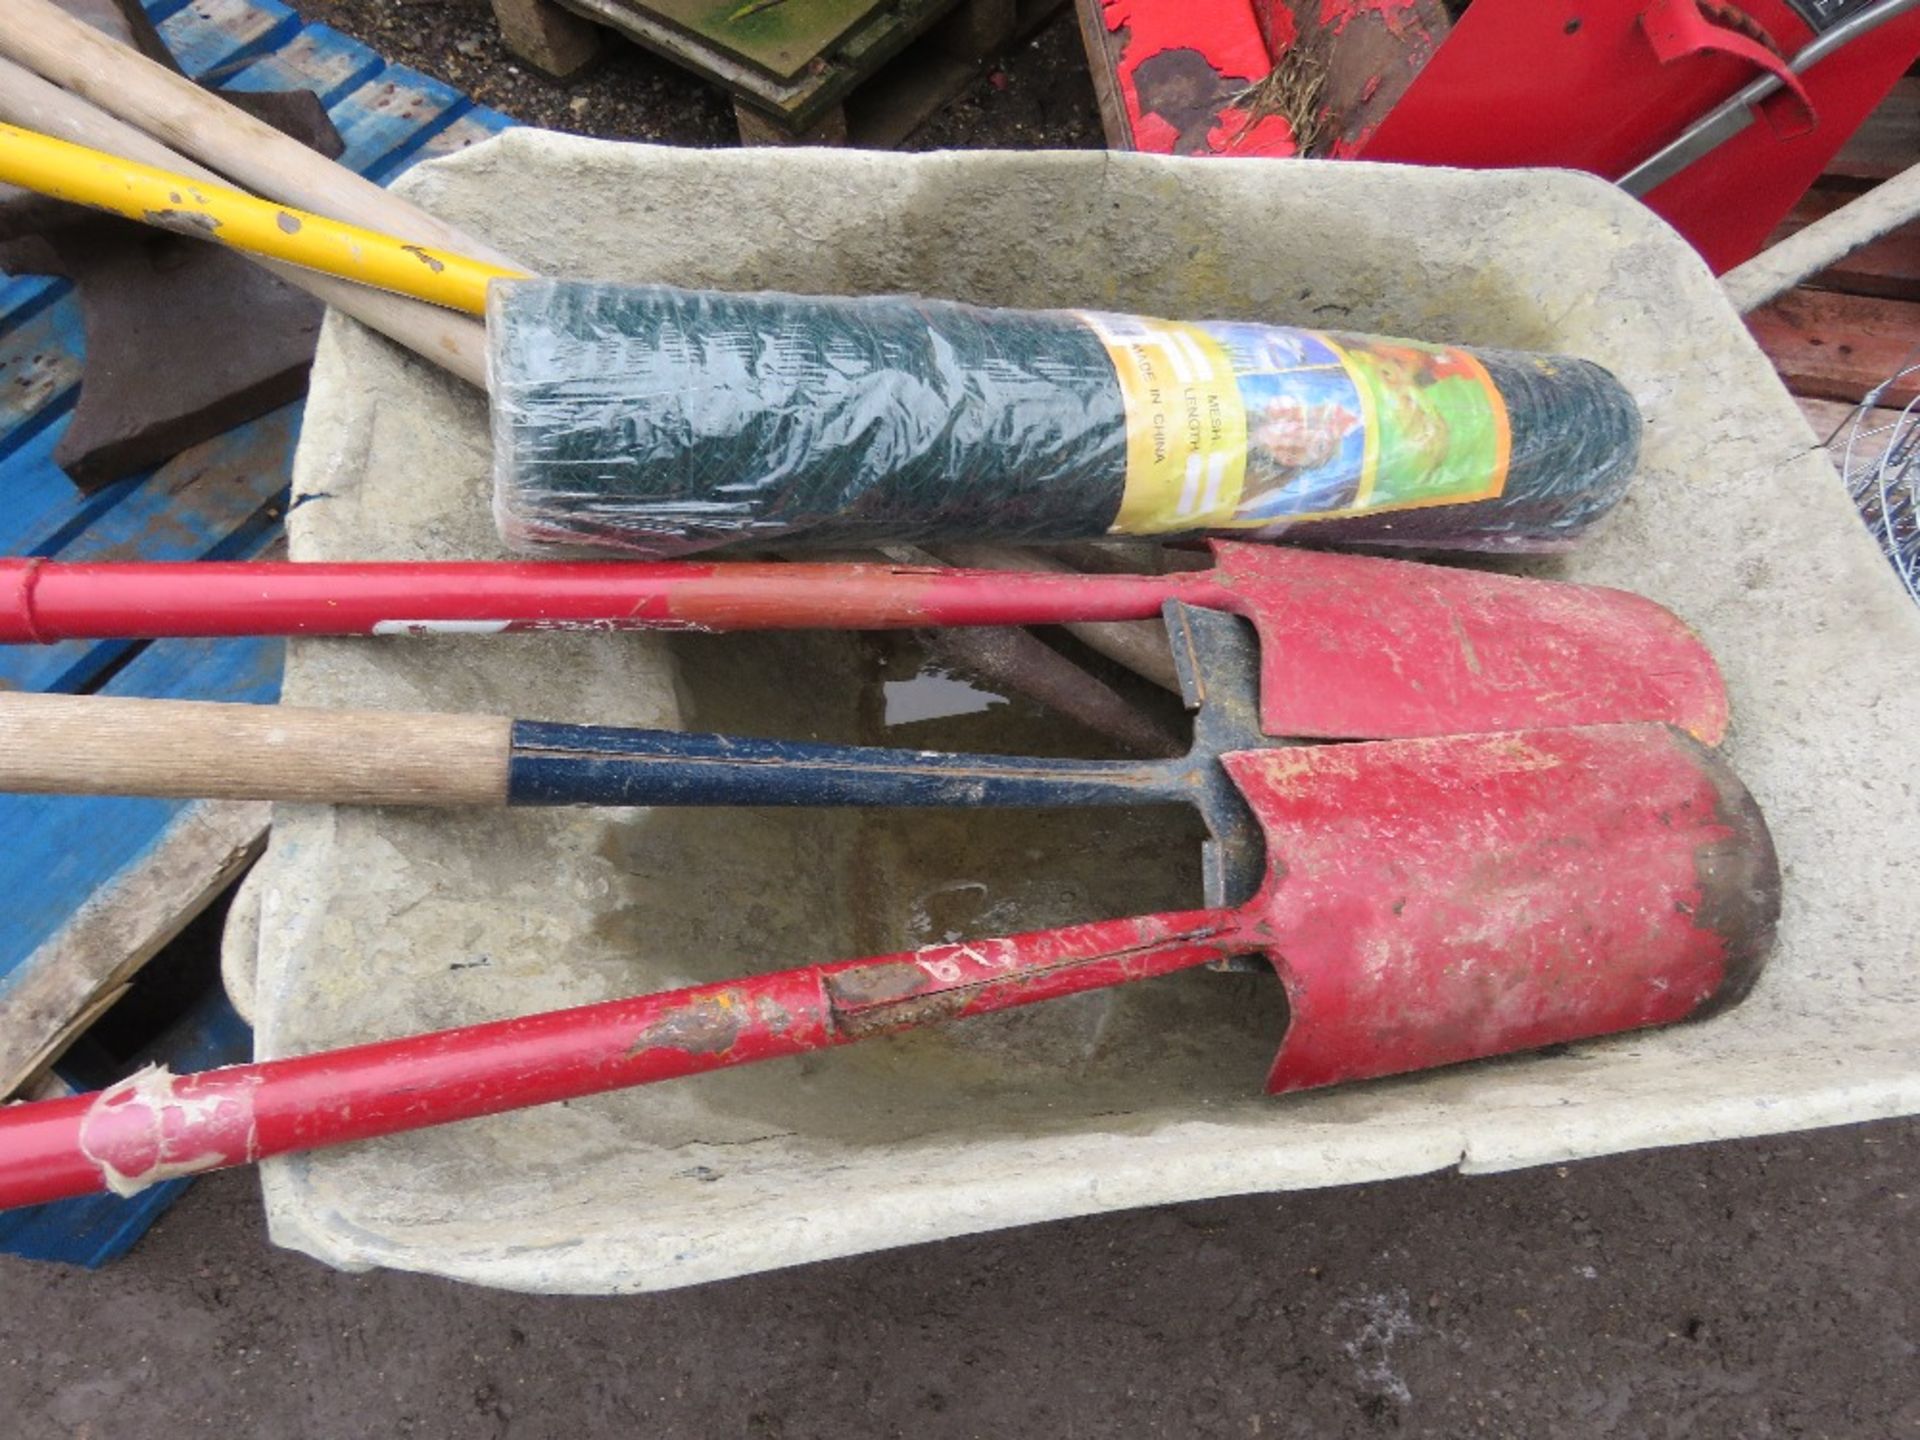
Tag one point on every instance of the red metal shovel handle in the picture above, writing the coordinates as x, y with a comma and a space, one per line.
154, 1126
41, 602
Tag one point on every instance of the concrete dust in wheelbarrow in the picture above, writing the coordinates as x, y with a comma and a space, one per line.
381, 923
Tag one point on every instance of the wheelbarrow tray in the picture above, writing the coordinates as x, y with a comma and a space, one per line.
367, 924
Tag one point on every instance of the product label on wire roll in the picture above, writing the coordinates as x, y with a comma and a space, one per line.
1259, 427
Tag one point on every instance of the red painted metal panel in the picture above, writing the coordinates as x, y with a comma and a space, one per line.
1600, 85
1576, 84
1595, 85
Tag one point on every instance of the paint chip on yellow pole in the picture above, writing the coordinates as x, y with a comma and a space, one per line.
153, 196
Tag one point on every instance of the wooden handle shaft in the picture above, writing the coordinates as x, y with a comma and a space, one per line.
455, 342
174, 110
93, 745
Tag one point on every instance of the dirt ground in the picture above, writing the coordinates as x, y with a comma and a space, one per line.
1753, 1290
1750, 1290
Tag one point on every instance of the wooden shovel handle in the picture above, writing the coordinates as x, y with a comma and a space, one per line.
455, 342
179, 114
94, 745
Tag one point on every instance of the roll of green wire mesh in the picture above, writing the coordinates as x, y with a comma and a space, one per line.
655, 421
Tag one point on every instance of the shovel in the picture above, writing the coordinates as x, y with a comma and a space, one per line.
201, 750
1351, 647
1423, 902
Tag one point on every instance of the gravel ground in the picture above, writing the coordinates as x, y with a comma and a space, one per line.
1751, 1290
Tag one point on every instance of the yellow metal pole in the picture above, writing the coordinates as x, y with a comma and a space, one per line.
245, 222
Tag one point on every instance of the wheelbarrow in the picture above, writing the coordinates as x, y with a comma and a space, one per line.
374, 923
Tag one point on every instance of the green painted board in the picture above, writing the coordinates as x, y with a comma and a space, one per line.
781, 37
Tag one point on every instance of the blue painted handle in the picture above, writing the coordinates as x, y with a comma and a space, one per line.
598, 765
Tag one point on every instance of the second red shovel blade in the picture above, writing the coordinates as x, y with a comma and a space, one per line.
1355, 647
1433, 901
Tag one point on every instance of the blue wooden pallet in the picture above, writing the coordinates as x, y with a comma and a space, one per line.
67, 857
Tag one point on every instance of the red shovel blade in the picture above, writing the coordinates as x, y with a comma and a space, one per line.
1356, 648
1434, 901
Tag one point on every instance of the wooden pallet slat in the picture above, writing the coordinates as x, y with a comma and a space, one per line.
1855, 440
21, 295
209, 36
43, 510
319, 59
159, 10
778, 37
42, 352
477, 124
934, 44
128, 918
211, 501
386, 119
204, 500
1834, 346
41, 362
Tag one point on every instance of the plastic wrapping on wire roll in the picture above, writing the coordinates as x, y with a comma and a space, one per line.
646, 420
